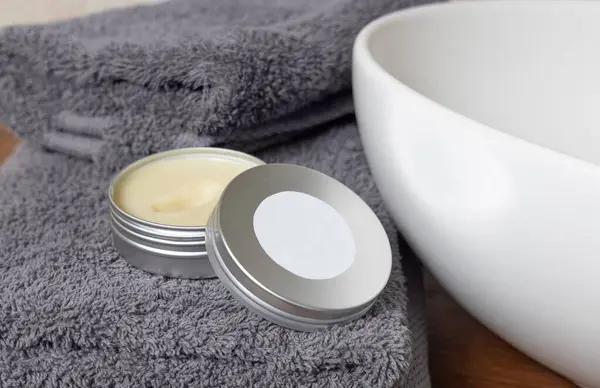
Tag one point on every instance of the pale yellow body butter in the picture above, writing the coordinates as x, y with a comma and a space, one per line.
180, 191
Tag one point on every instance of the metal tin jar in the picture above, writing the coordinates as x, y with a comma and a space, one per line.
293, 245
168, 250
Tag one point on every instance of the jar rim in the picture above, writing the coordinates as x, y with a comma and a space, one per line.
202, 152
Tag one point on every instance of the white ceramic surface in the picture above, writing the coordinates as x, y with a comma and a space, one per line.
481, 123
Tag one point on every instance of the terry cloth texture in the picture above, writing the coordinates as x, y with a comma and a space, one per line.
73, 313
89, 96
246, 71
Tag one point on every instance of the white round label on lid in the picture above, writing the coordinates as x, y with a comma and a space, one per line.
304, 235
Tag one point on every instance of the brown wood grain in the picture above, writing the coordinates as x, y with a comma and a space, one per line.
8, 141
463, 353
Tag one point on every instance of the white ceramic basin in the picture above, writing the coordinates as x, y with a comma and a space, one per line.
481, 123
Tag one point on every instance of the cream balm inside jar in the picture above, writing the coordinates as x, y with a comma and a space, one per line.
293, 245
160, 205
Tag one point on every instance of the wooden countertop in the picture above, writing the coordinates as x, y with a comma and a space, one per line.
463, 353
8, 142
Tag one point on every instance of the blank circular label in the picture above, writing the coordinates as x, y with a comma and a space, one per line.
304, 235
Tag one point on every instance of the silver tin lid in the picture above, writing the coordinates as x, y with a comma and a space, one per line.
298, 247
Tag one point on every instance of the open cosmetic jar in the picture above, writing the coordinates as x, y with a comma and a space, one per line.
293, 245
159, 208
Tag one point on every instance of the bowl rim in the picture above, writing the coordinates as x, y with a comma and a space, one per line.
362, 54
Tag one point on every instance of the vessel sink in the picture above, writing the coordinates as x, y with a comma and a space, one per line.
481, 125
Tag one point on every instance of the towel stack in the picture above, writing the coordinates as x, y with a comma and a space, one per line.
88, 96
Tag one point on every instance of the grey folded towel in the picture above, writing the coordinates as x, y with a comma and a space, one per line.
73, 313
266, 76
225, 70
